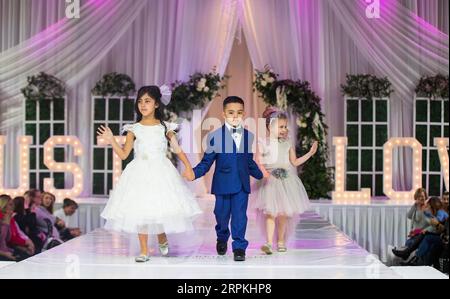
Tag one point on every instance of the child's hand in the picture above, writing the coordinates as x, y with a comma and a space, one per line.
266, 174
105, 133
9, 255
314, 147
189, 174
60, 223
434, 221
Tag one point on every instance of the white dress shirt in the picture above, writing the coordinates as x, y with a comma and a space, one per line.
236, 136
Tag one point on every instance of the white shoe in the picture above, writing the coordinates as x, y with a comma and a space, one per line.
267, 248
282, 247
164, 248
142, 259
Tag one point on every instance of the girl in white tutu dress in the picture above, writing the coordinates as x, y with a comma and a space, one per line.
281, 194
150, 197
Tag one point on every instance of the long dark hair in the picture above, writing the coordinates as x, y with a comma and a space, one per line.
435, 204
19, 205
49, 208
155, 93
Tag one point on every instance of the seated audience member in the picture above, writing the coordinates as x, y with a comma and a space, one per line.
17, 240
48, 201
46, 221
67, 215
434, 215
26, 219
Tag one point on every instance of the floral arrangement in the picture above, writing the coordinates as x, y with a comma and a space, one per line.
114, 84
366, 86
433, 87
43, 87
279, 173
195, 93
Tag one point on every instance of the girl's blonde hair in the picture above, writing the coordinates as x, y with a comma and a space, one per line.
4, 199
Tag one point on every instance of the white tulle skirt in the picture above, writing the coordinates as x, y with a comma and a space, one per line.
151, 197
282, 197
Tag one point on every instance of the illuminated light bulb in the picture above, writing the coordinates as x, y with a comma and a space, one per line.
63, 166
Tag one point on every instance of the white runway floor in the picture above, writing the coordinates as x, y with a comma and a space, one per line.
319, 250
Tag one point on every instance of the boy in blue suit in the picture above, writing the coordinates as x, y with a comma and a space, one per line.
231, 148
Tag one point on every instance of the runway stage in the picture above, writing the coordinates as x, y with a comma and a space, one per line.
319, 250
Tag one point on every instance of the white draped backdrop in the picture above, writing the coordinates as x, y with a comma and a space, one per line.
158, 42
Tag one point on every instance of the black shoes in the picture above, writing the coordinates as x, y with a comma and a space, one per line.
413, 261
404, 254
239, 255
221, 248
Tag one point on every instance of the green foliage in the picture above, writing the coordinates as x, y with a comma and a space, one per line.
433, 87
199, 90
43, 86
114, 84
366, 86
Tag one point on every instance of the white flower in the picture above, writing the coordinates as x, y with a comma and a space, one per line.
301, 123
200, 85
266, 76
317, 119
263, 83
270, 79
307, 114
218, 83
199, 88
203, 80
206, 89
173, 116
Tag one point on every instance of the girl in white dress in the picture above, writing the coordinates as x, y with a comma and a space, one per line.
281, 194
150, 197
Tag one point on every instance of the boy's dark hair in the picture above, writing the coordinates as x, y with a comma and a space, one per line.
232, 99
69, 202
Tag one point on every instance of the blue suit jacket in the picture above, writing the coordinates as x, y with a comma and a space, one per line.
233, 167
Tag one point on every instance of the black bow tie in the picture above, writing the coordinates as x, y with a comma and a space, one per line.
237, 130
